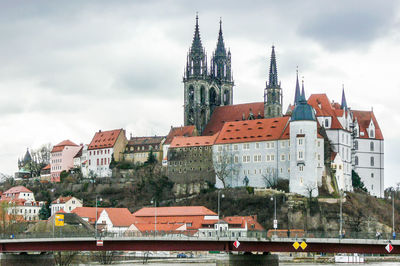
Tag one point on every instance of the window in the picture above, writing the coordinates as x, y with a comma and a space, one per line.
319, 156
301, 168
282, 157
371, 133
268, 158
326, 123
272, 157
267, 145
318, 143
257, 158
356, 160
97, 161
300, 142
246, 146
356, 144
282, 144
371, 146
246, 158
257, 145
372, 175
300, 155
236, 159
372, 161
235, 147
272, 144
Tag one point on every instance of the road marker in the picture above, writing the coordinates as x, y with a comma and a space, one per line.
303, 245
389, 248
236, 244
296, 245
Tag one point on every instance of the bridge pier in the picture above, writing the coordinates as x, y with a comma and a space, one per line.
22, 259
250, 259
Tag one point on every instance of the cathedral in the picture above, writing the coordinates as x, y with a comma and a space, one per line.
314, 139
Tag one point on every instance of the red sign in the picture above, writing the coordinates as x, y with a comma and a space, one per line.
389, 247
99, 243
236, 244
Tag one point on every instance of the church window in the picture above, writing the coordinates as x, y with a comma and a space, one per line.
371, 146
226, 97
213, 97
372, 161
202, 95
326, 123
356, 144
191, 95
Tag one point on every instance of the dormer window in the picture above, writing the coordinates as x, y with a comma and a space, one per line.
326, 122
371, 133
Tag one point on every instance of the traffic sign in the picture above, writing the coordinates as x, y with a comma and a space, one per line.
99, 243
389, 247
59, 220
303, 245
236, 244
275, 224
296, 245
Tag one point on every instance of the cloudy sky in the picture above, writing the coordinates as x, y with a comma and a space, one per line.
70, 68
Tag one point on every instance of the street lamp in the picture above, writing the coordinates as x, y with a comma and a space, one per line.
219, 199
275, 220
393, 231
96, 216
342, 194
155, 215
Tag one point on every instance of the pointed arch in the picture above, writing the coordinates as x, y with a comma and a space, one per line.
227, 97
191, 94
202, 95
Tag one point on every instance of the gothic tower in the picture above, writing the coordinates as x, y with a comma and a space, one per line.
273, 91
203, 91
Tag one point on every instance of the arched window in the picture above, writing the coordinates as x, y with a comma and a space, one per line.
326, 122
372, 161
226, 97
191, 95
356, 144
356, 160
202, 94
213, 97
371, 146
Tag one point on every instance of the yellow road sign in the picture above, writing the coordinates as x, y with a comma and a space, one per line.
296, 245
59, 221
303, 245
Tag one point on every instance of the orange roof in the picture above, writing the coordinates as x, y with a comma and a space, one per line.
104, 139
61, 200
251, 221
17, 189
47, 167
231, 113
60, 146
120, 217
186, 131
88, 212
323, 107
253, 130
363, 119
174, 211
193, 141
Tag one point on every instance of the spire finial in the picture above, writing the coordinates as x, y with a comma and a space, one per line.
344, 102
297, 91
303, 95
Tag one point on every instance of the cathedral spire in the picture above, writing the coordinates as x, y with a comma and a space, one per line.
344, 102
273, 73
221, 61
220, 51
297, 92
196, 60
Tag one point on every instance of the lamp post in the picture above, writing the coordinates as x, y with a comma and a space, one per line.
95, 225
155, 215
341, 213
275, 224
219, 199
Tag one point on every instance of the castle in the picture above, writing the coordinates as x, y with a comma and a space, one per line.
256, 143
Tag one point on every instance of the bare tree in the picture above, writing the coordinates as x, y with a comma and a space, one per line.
105, 256
64, 258
270, 178
226, 165
40, 158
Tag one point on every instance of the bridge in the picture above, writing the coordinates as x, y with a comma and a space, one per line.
194, 243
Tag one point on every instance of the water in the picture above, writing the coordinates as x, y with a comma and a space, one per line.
280, 264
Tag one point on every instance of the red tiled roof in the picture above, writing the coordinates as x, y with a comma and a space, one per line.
253, 130
79, 153
174, 211
60, 146
231, 113
143, 227
17, 189
104, 139
363, 119
88, 212
251, 221
47, 167
120, 217
193, 141
322, 106
186, 131
61, 200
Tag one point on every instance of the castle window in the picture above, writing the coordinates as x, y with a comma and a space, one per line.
372, 161
356, 145
372, 175
371, 146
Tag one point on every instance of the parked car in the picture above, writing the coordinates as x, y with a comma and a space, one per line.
181, 255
